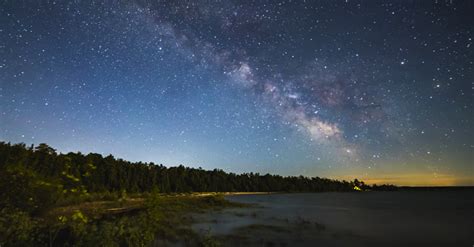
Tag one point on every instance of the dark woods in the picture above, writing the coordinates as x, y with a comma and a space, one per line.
51, 199
95, 173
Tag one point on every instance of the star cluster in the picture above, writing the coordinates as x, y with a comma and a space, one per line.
376, 90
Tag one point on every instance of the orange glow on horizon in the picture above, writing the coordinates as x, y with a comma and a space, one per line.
420, 179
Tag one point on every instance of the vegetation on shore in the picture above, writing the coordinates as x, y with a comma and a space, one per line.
95, 173
51, 199
156, 219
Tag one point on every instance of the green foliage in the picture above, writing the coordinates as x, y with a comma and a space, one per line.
81, 174
122, 231
164, 217
35, 179
17, 228
24, 189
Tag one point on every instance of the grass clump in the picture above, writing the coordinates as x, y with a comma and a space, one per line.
157, 218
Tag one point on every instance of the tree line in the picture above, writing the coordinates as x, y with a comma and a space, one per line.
35, 180
96, 173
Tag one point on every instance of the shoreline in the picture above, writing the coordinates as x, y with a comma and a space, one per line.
232, 193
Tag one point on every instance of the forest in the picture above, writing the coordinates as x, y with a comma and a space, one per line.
53, 199
95, 173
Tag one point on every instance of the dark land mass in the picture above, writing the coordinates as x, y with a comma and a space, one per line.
74, 199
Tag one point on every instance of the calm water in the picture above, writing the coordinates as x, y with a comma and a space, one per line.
438, 218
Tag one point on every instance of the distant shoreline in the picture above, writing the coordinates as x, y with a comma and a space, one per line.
400, 188
233, 193
435, 187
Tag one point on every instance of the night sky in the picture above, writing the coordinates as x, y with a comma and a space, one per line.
378, 90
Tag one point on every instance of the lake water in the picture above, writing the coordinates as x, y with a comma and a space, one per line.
408, 218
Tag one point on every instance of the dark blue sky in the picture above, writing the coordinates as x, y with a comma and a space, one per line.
380, 90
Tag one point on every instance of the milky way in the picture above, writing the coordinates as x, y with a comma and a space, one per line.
376, 90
